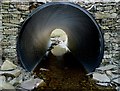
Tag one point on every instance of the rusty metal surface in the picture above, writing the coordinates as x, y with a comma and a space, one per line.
85, 39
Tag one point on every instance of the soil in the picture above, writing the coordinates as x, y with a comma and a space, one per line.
65, 73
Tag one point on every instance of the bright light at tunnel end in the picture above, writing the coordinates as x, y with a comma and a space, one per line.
60, 39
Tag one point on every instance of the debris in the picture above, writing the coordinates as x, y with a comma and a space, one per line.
7, 65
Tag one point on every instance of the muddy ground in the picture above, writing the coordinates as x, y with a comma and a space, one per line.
65, 73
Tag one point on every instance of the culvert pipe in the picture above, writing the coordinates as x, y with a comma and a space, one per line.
85, 39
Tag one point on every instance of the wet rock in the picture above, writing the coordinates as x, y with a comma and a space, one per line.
14, 73
7, 65
100, 77
107, 67
32, 83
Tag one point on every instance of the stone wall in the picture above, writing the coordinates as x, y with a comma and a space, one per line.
106, 14
12, 16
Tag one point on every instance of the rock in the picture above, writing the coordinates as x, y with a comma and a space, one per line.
104, 27
8, 79
2, 79
15, 21
102, 84
118, 88
22, 7
10, 25
25, 75
111, 75
0, 15
14, 81
7, 86
1, 36
103, 15
15, 72
113, 15
117, 80
7, 65
106, 36
118, 20
116, 71
21, 20
32, 83
100, 77
44, 1
107, 67
41, 83
1, 62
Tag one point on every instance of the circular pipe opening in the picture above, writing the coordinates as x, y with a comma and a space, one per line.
85, 39
59, 39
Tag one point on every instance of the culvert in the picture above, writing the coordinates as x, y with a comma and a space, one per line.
85, 39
